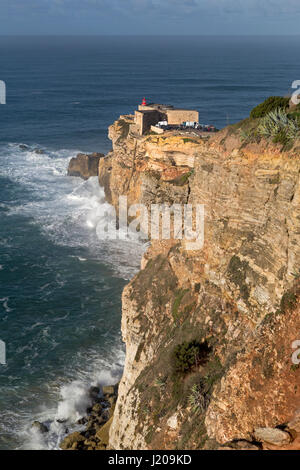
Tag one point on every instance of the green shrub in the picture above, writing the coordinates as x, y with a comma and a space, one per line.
268, 105
288, 301
187, 355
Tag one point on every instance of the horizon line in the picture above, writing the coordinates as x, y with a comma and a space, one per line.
146, 35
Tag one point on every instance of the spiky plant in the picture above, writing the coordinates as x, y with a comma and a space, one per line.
279, 125
159, 382
197, 399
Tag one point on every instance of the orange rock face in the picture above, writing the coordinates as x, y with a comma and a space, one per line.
239, 295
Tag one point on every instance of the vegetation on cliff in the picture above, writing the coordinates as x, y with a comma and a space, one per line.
270, 104
275, 120
208, 334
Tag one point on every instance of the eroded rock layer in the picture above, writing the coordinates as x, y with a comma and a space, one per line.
235, 301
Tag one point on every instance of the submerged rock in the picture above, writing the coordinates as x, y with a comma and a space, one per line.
82, 421
108, 390
84, 165
61, 421
97, 409
94, 392
95, 434
39, 427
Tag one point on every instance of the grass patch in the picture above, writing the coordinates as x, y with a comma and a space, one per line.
189, 139
177, 301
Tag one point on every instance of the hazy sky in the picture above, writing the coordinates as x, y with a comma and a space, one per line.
149, 16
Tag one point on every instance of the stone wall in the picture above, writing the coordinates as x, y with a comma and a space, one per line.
145, 119
148, 116
177, 116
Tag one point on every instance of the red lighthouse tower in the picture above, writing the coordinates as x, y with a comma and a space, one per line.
144, 102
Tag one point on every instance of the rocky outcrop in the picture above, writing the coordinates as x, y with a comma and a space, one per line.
233, 306
97, 422
84, 165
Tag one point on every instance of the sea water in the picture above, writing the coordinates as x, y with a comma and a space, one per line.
60, 286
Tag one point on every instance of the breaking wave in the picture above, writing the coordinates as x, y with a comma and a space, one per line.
45, 379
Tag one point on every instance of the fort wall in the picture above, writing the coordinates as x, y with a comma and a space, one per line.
178, 116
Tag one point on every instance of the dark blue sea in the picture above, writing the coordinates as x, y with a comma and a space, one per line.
60, 287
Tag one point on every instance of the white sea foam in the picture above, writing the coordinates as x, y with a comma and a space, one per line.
4, 301
67, 209
73, 400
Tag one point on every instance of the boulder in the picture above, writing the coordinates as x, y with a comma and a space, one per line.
72, 441
39, 427
272, 436
97, 409
108, 390
103, 434
112, 400
90, 444
84, 165
173, 421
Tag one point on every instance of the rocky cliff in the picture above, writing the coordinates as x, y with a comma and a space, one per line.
84, 165
209, 333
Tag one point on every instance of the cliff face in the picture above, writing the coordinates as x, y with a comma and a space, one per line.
236, 299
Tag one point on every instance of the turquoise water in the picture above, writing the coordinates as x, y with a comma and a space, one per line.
60, 287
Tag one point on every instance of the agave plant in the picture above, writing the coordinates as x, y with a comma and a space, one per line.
197, 399
293, 129
278, 122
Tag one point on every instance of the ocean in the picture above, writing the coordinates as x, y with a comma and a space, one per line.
60, 287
